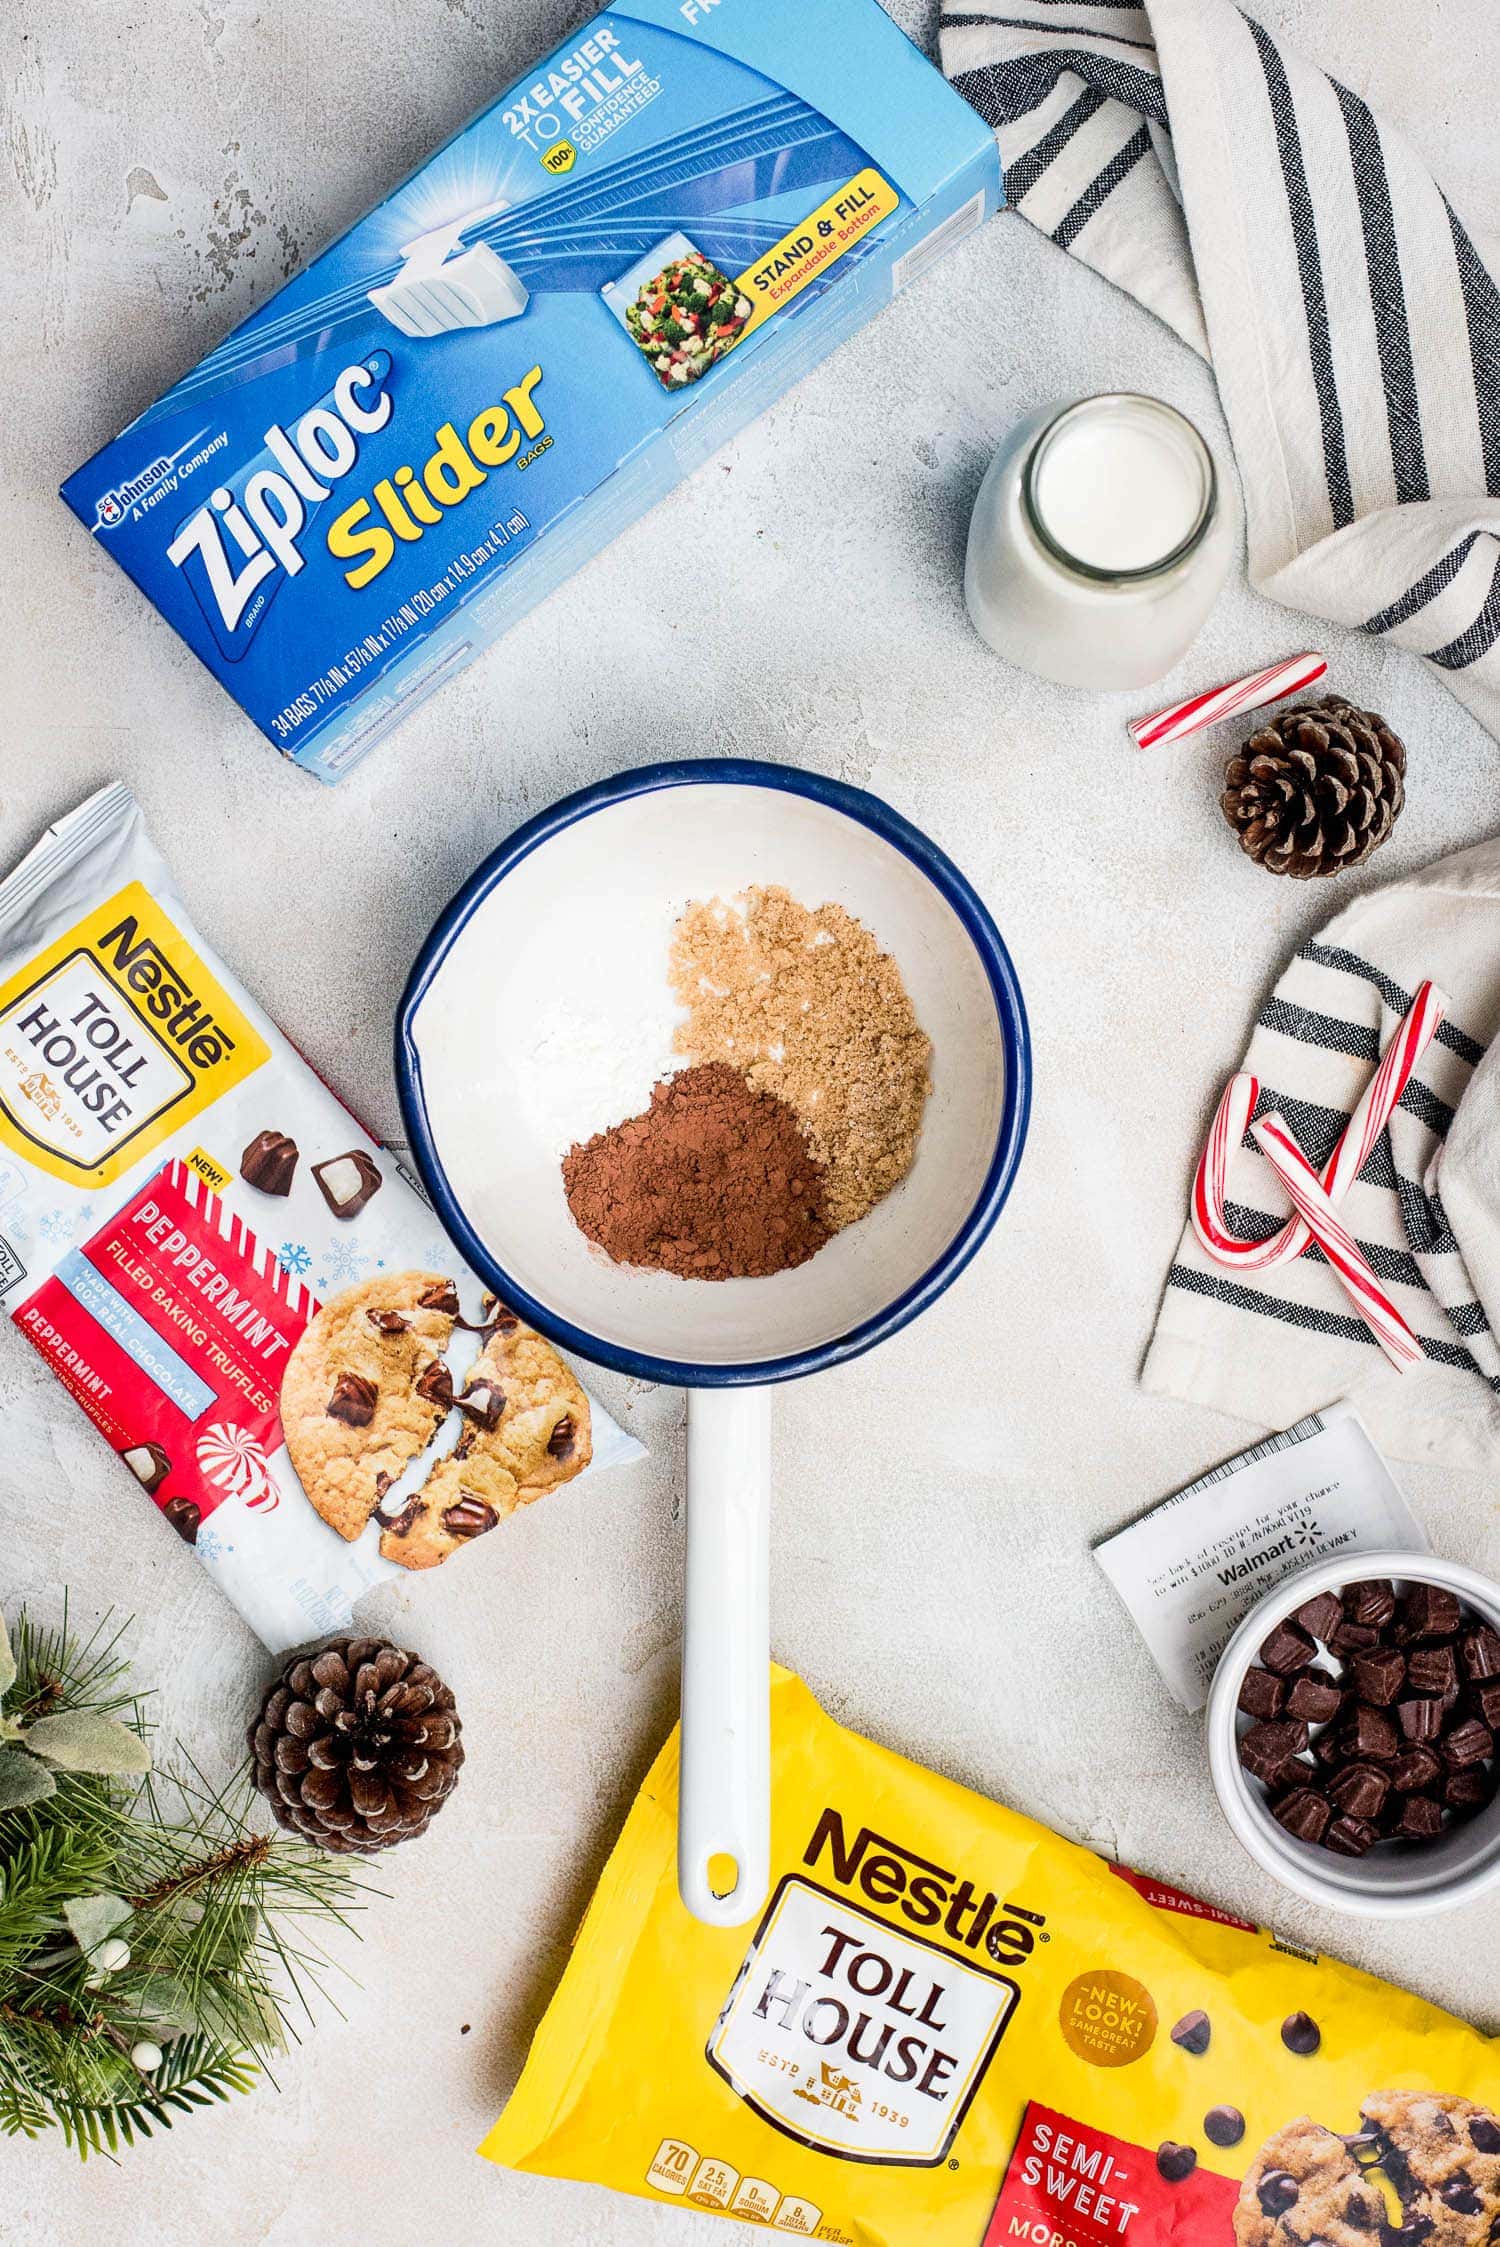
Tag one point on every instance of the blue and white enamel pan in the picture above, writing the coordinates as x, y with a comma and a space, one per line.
561, 936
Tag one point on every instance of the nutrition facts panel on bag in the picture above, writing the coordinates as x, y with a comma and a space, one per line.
706, 2183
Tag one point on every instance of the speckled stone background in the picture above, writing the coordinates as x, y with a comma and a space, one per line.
164, 166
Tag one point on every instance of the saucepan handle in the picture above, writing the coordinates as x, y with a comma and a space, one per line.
724, 1816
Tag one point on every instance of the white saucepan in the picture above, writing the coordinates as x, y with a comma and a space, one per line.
553, 956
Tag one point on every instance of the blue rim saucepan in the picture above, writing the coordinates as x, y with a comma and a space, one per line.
1009, 1126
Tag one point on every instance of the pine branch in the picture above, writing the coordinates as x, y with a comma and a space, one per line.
194, 2073
139, 1914
244, 1854
37, 1878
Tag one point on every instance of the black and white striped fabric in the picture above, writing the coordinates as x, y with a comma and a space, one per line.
1283, 231
1273, 1346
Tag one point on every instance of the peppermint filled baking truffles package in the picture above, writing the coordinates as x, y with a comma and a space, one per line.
240, 1287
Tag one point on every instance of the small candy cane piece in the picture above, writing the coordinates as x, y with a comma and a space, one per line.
1418, 1028
1310, 1199
1200, 710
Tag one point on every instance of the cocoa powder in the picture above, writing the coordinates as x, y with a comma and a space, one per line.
714, 1182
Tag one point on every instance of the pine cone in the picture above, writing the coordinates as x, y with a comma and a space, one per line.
1317, 789
357, 1747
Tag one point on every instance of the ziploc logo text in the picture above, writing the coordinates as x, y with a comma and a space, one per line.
111, 1040
239, 548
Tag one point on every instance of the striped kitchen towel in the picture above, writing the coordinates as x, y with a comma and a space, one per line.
1272, 1347
1266, 215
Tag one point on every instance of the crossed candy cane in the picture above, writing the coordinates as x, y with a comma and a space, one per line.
1314, 1195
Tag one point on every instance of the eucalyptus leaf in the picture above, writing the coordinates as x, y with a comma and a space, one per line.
23, 1780
159, 2006
91, 1918
83, 1740
7, 1660
241, 1925
241, 2017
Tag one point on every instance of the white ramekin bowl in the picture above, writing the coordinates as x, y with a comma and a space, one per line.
1427, 1876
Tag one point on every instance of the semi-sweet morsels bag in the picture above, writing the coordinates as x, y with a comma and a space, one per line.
234, 1280
951, 2027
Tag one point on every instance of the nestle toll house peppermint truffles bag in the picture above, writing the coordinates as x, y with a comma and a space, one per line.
234, 1280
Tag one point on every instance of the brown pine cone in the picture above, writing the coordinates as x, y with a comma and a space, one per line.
357, 1747
1316, 789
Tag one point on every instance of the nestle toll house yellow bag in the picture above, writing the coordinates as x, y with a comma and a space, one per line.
951, 2027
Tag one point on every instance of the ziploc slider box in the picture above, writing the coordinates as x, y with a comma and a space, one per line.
577, 300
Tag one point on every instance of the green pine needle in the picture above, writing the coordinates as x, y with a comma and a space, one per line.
223, 1924
194, 2072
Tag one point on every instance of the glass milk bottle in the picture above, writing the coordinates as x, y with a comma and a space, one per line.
1098, 543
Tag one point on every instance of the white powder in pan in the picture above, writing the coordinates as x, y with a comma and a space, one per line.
589, 1071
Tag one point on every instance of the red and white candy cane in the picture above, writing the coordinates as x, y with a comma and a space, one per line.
1310, 1199
1180, 719
1418, 1028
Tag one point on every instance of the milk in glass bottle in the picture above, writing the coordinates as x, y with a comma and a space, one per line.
1099, 542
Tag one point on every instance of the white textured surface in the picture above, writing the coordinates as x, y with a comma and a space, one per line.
162, 169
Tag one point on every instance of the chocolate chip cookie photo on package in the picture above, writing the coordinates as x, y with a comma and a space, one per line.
367, 1389
1417, 2166
241, 1289
950, 2027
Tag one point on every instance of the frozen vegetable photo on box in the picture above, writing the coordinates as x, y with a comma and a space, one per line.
686, 317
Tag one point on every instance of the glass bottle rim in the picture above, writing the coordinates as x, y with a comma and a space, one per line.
1188, 544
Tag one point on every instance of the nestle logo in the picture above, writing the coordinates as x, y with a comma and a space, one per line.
166, 994
887, 1872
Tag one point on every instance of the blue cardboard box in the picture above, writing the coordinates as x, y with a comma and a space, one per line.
573, 303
